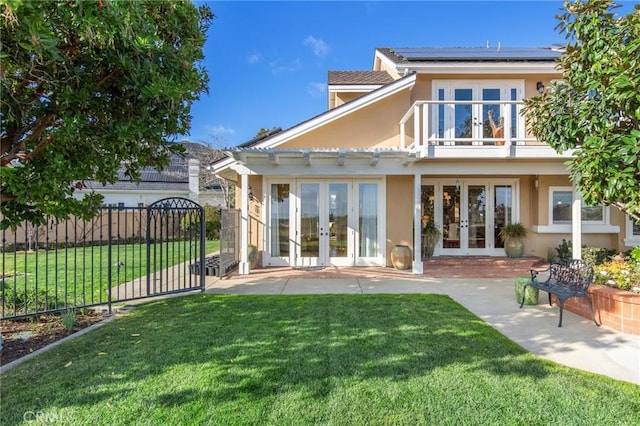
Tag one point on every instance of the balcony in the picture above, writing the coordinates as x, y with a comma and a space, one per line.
470, 129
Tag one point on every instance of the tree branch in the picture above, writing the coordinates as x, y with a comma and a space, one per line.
16, 153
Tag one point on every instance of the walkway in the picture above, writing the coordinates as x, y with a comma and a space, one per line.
578, 343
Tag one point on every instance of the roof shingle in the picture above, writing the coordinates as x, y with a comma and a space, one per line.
359, 77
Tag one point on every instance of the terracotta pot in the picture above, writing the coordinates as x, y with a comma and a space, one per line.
401, 257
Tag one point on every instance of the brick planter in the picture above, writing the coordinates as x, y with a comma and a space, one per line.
617, 309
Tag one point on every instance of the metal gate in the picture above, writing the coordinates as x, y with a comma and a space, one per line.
175, 243
121, 254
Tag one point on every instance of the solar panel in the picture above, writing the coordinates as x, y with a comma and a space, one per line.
477, 53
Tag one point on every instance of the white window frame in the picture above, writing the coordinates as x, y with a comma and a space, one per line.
588, 227
631, 239
552, 189
476, 85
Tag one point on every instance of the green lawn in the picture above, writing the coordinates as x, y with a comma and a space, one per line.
296, 360
79, 275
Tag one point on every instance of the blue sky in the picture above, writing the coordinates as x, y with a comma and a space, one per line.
268, 60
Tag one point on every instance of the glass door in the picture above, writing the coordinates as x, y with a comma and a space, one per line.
312, 225
464, 218
325, 232
475, 119
475, 223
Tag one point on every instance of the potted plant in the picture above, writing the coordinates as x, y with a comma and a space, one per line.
513, 235
431, 235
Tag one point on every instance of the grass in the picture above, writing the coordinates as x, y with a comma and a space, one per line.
340, 360
79, 275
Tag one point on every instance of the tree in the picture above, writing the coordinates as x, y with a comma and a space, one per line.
88, 86
595, 110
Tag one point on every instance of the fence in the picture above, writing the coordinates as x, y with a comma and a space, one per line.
123, 253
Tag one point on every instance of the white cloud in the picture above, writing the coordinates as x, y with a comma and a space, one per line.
278, 68
320, 48
254, 58
316, 90
220, 130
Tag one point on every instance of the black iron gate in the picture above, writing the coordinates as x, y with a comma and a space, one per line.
175, 230
121, 254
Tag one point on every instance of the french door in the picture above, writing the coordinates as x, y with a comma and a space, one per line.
323, 235
474, 119
464, 213
335, 222
472, 213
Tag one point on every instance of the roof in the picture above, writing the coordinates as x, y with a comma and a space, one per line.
358, 77
174, 176
431, 54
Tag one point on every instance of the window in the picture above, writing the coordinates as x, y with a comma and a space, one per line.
632, 234
560, 208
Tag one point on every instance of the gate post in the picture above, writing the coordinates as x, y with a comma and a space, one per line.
109, 257
202, 248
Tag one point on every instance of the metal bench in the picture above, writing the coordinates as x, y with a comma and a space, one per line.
567, 279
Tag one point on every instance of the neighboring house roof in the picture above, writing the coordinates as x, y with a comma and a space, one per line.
358, 77
410, 55
175, 176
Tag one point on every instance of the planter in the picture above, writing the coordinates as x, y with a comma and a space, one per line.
617, 309
430, 244
401, 257
514, 247
253, 256
531, 294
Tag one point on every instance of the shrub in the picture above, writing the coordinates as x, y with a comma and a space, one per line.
27, 301
591, 255
68, 319
564, 250
618, 273
596, 255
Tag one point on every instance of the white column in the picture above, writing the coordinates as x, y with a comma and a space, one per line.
576, 224
194, 180
243, 268
417, 225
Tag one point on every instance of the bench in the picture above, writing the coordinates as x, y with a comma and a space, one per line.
566, 279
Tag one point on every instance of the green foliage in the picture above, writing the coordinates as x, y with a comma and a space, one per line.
596, 109
68, 319
513, 230
564, 250
212, 222
27, 300
211, 225
88, 86
597, 255
591, 255
618, 273
363, 359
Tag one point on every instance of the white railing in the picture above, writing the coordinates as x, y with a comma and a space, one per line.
433, 123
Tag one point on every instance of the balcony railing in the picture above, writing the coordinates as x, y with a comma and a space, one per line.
465, 123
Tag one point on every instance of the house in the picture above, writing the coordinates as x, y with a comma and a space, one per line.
428, 136
182, 177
